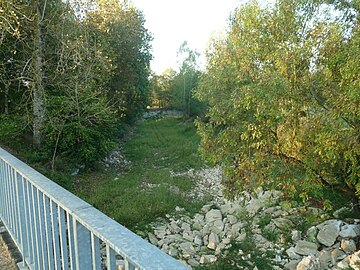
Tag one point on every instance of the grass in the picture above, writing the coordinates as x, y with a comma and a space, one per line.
147, 190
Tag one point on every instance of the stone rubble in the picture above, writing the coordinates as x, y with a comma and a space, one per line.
204, 237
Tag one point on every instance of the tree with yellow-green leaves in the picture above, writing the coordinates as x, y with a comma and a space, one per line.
283, 91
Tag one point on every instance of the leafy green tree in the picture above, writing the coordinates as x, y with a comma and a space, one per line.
75, 70
283, 98
160, 89
185, 82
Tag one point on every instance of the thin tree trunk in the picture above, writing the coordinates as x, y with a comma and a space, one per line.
38, 94
6, 103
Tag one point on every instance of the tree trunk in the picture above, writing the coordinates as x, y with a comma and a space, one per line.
38, 93
6, 103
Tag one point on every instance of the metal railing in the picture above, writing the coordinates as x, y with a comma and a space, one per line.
54, 229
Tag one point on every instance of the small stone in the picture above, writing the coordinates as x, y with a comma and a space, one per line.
152, 238
186, 227
219, 248
228, 208
283, 223
354, 260
165, 248
337, 255
173, 252
226, 241
295, 235
342, 265
187, 236
254, 206
232, 219
305, 248
350, 231
193, 262
174, 228
311, 234
212, 215
241, 237
206, 208
207, 259
187, 249
219, 224
198, 240
292, 265
349, 246
235, 229
213, 241
179, 209
279, 213
206, 240
324, 258
199, 218
307, 263
332, 222
292, 254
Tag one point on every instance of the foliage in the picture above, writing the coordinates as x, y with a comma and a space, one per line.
11, 129
161, 94
174, 89
283, 97
86, 74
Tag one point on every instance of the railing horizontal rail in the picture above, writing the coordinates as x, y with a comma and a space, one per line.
54, 229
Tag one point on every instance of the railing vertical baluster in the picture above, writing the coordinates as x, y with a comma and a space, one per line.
27, 223
2, 185
41, 219
8, 198
110, 258
70, 231
55, 235
95, 252
48, 232
21, 216
38, 254
33, 258
82, 246
63, 242
16, 230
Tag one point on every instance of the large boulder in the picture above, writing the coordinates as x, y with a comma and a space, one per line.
306, 248
328, 234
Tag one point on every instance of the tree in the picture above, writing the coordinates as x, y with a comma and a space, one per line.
186, 81
75, 70
160, 88
277, 86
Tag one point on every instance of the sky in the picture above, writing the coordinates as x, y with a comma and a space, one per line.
172, 22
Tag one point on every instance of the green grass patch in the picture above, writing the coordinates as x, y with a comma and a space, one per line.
148, 190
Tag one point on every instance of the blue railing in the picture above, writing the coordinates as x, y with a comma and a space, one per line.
54, 229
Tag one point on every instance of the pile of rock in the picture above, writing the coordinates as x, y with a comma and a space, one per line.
329, 245
116, 159
202, 238
207, 182
161, 113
